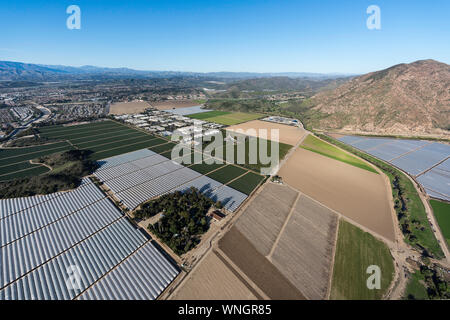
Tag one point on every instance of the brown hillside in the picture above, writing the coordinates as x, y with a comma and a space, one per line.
404, 99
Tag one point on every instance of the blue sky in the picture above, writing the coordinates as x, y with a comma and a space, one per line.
323, 36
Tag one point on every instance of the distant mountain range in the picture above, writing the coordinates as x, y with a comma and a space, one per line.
14, 71
404, 99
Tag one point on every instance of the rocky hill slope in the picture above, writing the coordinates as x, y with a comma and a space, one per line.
404, 99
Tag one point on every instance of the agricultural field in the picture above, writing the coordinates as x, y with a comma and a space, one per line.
247, 183
419, 235
174, 104
128, 107
105, 139
226, 118
163, 148
424, 160
204, 168
139, 176
295, 233
262, 220
214, 279
353, 192
314, 144
247, 161
226, 174
305, 249
357, 250
15, 162
256, 267
442, 213
287, 134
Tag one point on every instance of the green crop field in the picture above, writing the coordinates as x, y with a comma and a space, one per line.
357, 250
105, 139
442, 213
247, 183
204, 168
164, 148
15, 163
227, 173
209, 114
226, 118
248, 162
32, 170
314, 144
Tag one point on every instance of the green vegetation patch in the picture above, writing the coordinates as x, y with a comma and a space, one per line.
247, 183
226, 174
32, 170
226, 118
357, 250
316, 145
204, 168
210, 114
184, 218
248, 162
442, 213
167, 147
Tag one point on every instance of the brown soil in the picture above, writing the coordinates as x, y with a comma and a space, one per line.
214, 280
306, 246
288, 134
128, 107
355, 193
174, 104
262, 220
255, 266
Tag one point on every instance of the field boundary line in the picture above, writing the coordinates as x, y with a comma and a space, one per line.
101, 134
60, 193
406, 153
1, 159
333, 259
257, 291
26, 169
132, 144
431, 168
103, 144
61, 253
53, 222
130, 172
340, 215
423, 198
275, 244
111, 270
7, 165
36, 145
110, 137
226, 184
80, 134
443, 194
72, 126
